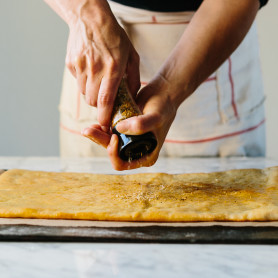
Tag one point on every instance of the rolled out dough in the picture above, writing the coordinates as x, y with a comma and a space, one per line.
235, 195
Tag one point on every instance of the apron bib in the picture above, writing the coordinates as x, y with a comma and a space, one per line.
223, 117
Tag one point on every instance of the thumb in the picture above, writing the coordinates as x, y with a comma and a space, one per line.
139, 124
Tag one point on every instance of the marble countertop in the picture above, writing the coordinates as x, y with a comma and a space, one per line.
37, 259
103, 166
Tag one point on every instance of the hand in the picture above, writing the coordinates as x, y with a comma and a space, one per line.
158, 115
99, 53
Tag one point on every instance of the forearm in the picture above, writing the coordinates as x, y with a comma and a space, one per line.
213, 34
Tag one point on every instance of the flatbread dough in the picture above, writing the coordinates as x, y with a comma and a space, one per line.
235, 195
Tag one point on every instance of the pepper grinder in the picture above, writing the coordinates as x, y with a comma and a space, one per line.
131, 147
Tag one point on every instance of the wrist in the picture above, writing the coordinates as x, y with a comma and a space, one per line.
90, 12
177, 89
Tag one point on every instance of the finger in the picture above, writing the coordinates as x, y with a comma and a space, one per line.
106, 96
70, 67
121, 165
105, 129
81, 74
97, 135
101, 128
133, 73
92, 89
139, 124
113, 154
81, 82
94, 76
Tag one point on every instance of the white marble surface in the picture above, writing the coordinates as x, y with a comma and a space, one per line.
87, 260
102, 165
82, 260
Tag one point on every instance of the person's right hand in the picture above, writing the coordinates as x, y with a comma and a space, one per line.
99, 53
159, 110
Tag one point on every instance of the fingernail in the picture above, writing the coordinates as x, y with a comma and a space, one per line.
111, 144
84, 132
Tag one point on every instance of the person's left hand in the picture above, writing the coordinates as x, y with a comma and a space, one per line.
158, 114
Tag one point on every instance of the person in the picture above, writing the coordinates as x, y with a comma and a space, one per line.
197, 63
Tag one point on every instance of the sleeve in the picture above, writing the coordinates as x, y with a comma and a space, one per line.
263, 2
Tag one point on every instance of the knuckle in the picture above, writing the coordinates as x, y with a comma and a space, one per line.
113, 65
101, 120
69, 64
138, 125
80, 62
96, 67
104, 99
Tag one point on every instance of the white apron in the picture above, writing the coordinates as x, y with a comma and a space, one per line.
223, 117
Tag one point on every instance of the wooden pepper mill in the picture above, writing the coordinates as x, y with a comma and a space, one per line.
131, 147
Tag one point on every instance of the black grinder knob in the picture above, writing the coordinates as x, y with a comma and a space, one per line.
132, 147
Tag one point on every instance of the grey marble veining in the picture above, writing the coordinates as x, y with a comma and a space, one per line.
136, 260
84, 260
